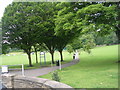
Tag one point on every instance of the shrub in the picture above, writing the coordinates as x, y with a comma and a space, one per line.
55, 76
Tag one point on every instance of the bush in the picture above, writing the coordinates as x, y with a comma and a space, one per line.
55, 76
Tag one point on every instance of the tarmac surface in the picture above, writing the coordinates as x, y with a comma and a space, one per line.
45, 70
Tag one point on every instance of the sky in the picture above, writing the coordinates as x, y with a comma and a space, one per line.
3, 4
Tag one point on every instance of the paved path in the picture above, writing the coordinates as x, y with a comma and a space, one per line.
46, 70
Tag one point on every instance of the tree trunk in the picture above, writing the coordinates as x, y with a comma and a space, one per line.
52, 55
36, 55
61, 55
29, 58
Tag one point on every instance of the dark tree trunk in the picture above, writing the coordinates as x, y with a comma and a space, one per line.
29, 58
36, 55
61, 56
52, 55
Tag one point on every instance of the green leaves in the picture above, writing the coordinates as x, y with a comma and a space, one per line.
84, 42
103, 17
56, 24
55, 76
67, 26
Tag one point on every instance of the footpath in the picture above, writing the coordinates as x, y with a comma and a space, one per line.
46, 70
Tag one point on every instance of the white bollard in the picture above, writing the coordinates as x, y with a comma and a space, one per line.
23, 70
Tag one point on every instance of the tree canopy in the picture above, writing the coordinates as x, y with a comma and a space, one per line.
56, 24
20, 25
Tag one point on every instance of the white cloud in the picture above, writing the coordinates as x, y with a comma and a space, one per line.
3, 4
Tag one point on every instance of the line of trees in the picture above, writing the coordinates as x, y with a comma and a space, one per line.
53, 25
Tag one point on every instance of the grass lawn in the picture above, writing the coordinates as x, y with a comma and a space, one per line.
96, 70
21, 58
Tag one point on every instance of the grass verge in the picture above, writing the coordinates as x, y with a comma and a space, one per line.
96, 70
21, 58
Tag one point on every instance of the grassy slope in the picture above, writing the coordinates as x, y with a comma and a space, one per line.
19, 58
96, 70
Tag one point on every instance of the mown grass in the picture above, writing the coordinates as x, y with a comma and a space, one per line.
21, 58
96, 70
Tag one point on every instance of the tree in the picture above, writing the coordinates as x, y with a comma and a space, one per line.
65, 24
20, 25
85, 42
103, 15
108, 39
102, 18
60, 45
66, 27
75, 19
117, 18
99, 18
33, 22
48, 34
5, 48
